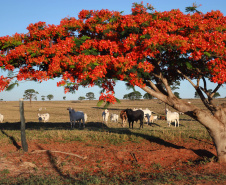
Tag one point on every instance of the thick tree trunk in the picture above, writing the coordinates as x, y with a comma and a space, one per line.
219, 138
216, 127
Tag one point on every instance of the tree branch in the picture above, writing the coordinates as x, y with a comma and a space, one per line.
209, 104
215, 90
204, 82
153, 86
156, 94
188, 79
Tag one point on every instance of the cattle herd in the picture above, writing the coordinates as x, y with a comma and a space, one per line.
146, 115
127, 115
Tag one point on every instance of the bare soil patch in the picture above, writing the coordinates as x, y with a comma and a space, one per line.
144, 157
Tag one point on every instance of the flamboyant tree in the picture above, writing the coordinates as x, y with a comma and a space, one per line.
146, 48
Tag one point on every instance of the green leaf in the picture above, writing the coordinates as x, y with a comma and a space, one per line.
11, 86
118, 101
189, 66
85, 37
99, 103
107, 105
72, 66
142, 36
33, 55
207, 54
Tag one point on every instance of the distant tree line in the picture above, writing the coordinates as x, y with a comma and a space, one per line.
31, 94
136, 95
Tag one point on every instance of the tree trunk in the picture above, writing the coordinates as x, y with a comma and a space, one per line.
215, 125
218, 135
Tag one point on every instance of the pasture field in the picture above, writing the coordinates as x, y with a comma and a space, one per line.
105, 154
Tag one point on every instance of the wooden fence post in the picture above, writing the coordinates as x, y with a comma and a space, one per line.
22, 127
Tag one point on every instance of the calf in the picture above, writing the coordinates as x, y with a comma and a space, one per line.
151, 118
43, 117
147, 111
162, 117
135, 116
105, 115
114, 118
1, 118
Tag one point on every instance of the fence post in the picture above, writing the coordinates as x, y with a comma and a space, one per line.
22, 127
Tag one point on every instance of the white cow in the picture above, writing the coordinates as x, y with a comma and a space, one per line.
155, 118
105, 115
151, 118
114, 118
85, 117
76, 116
43, 117
1, 118
147, 112
172, 117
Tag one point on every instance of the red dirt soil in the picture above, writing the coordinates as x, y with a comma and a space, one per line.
48, 158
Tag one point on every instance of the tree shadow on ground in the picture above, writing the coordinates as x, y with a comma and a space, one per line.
108, 108
199, 152
201, 140
36, 126
12, 139
153, 125
53, 161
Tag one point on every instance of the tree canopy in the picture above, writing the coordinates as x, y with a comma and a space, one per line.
104, 45
135, 95
50, 97
30, 94
147, 96
147, 48
90, 96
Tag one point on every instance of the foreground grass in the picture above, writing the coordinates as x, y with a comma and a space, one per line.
127, 177
113, 135
94, 131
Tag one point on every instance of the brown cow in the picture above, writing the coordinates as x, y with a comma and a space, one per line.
162, 117
123, 116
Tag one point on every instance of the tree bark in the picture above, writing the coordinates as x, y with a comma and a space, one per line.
217, 131
219, 138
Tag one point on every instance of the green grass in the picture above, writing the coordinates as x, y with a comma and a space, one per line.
110, 135
127, 177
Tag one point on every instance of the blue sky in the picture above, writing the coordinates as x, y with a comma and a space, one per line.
17, 15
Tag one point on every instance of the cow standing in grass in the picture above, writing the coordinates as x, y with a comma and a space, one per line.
105, 115
1, 118
135, 116
172, 117
76, 116
123, 116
